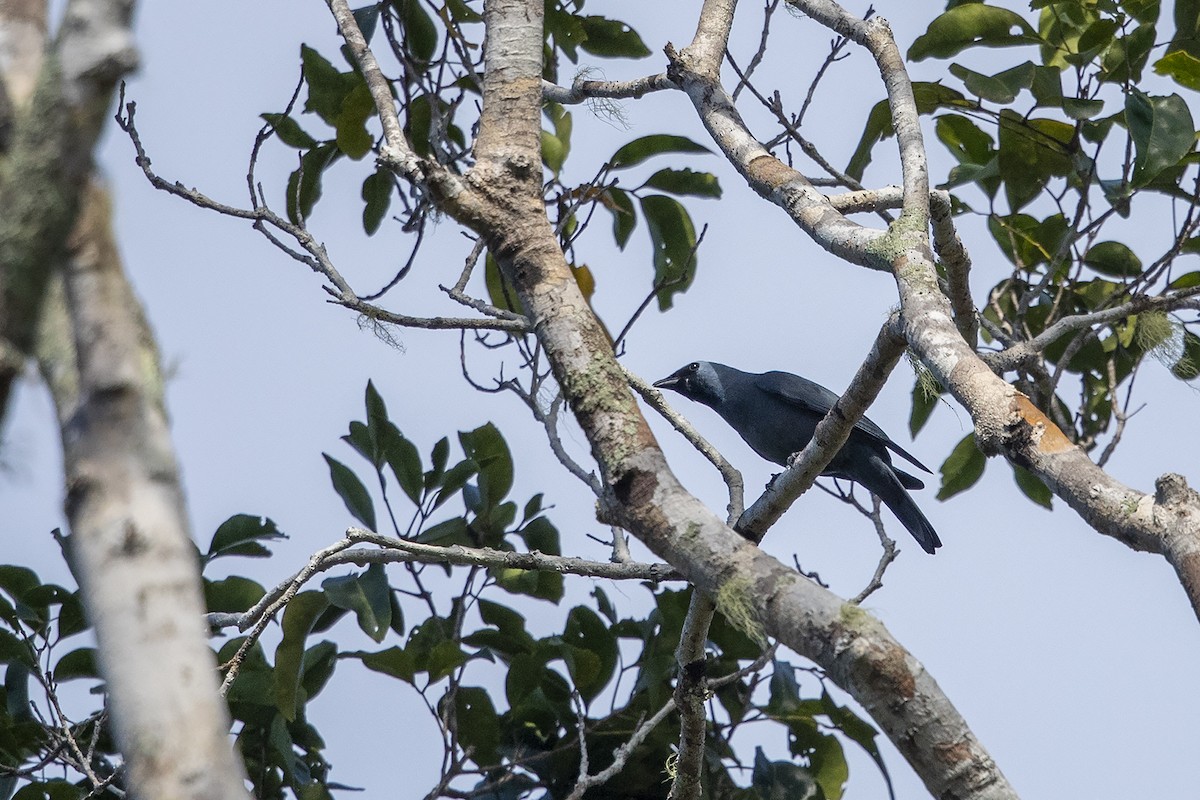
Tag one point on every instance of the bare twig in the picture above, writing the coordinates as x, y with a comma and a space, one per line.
394, 550
744, 78
733, 478
885, 558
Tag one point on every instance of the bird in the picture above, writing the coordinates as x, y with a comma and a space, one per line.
776, 413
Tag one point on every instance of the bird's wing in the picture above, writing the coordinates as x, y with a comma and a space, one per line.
815, 398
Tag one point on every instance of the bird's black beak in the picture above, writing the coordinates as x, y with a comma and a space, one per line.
672, 381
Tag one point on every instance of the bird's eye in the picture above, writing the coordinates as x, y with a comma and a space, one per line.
694, 366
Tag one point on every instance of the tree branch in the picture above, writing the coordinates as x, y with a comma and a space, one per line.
582, 89
831, 433
641, 493
133, 554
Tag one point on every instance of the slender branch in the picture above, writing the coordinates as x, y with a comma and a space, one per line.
314, 256
744, 77
1019, 353
765, 173
396, 151
729, 473
403, 551
487, 557
885, 558
957, 262
582, 89
831, 433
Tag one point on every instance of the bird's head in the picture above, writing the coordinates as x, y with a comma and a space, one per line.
697, 381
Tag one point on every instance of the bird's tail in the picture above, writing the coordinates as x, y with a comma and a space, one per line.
888, 487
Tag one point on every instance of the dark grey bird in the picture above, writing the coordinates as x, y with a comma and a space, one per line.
777, 414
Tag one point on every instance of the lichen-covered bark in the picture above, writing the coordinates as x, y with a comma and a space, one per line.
50, 157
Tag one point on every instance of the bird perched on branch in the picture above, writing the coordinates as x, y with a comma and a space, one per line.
777, 414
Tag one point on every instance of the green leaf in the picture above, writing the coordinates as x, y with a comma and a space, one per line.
478, 724
533, 507
289, 131
501, 294
1026, 241
377, 193
673, 239
1003, 87
377, 419
554, 152
437, 458
586, 631
404, 460
418, 124
367, 17
505, 619
231, 595
858, 731
15, 650
298, 619
968, 26
1126, 59
1182, 67
351, 490
1031, 152
79, 663
242, 535
327, 87
1187, 28
444, 658
1190, 279
304, 184
1047, 86
1032, 487
1113, 259
964, 139
531, 582
16, 581
1162, 132
448, 532
1095, 38
353, 138
777, 780
610, 38
1188, 366
962, 469
395, 662
923, 403
540, 535
657, 144
624, 215
367, 595
1079, 108
454, 480
420, 37
685, 182
319, 663
485, 446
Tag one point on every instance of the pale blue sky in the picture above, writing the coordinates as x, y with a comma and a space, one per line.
1071, 657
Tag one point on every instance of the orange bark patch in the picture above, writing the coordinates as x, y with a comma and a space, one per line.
1048, 438
770, 171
